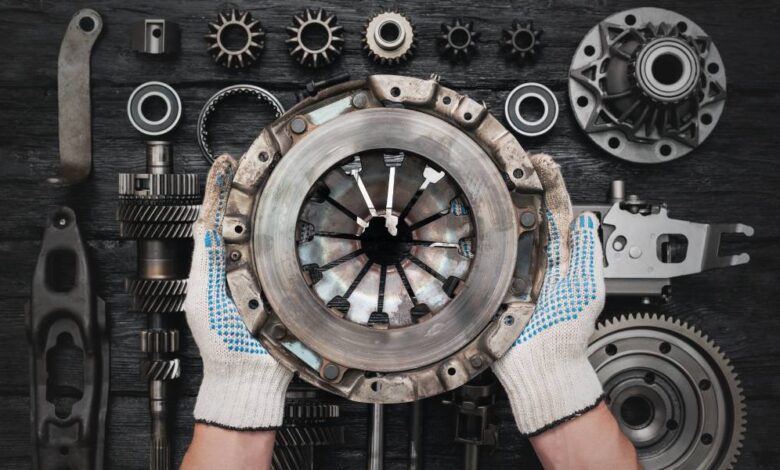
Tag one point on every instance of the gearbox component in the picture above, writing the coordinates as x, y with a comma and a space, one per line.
260, 94
458, 40
251, 39
647, 85
142, 97
316, 38
155, 36
534, 96
388, 38
521, 43
378, 265
673, 392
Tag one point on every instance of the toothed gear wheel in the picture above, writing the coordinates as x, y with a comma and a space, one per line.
647, 85
161, 369
458, 41
159, 341
310, 411
155, 287
389, 38
672, 390
146, 185
157, 304
248, 52
522, 42
130, 212
316, 38
154, 231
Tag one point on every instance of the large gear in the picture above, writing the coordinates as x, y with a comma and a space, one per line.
389, 38
252, 34
522, 42
672, 390
161, 369
151, 185
316, 39
458, 40
132, 212
647, 85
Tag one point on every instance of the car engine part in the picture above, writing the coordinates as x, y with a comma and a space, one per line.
261, 94
146, 93
240, 24
157, 209
316, 39
311, 421
644, 248
647, 85
519, 118
474, 426
376, 437
458, 41
389, 38
672, 390
312, 87
416, 425
69, 353
521, 43
401, 302
155, 36
73, 97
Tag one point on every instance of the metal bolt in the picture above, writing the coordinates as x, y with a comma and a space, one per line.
518, 286
235, 255
278, 332
527, 219
360, 100
330, 372
635, 252
263, 156
509, 320
518, 173
298, 125
476, 361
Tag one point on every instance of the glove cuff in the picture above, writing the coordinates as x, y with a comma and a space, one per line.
243, 395
549, 387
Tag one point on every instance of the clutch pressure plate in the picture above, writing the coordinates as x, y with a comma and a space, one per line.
383, 239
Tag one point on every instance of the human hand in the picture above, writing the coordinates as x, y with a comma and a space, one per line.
243, 387
546, 372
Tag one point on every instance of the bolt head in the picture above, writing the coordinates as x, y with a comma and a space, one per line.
360, 100
298, 125
330, 372
278, 332
476, 361
235, 255
634, 252
527, 219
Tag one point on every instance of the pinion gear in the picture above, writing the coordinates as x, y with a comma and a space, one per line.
458, 41
389, 38
521, 43
248, 52
316, 38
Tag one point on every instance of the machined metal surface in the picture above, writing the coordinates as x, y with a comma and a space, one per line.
522, 42
473, 406
520, 121
148, 125
315, 38
240, 55
458, 40
647, 85
73, 97
672, 390
260, 94
336, 199
69, 353
155, 36
644, 248
389, 38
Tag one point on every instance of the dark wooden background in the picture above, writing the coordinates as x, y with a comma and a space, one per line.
733, 177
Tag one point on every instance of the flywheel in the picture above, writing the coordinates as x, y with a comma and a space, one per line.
383, 239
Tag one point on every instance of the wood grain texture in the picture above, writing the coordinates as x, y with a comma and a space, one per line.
734, 176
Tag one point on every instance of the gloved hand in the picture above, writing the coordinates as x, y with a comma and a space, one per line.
243, 387
546, 372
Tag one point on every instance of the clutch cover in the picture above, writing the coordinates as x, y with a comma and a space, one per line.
384, 239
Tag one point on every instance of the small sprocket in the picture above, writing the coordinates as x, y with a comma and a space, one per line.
522, 42
389, 38
316, 39
251, 32
457, 41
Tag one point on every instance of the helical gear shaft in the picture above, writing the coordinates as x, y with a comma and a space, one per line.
160, 341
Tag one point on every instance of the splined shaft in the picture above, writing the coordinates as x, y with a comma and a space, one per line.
157, 209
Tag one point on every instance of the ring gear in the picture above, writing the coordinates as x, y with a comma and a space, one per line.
647, 85
522, 42
458, 41
389, 38
672, 390
309, 55
245, 55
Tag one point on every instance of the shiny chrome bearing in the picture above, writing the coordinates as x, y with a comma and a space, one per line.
383, 239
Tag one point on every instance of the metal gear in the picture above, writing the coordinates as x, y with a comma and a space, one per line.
248, 52
159, 341
647, 85
131, 212
672, 390
458, 41
316, 38
389, 38
522, 42
161, 369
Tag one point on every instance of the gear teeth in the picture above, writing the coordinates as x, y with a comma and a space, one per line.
154, 231
144, 185
399, 55
241, 57
158, 304
522, 42
457, 41
150, 287
129, 212
323, 56
161, 369
159, 341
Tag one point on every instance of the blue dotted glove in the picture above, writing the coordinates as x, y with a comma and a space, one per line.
243, 386
546, 373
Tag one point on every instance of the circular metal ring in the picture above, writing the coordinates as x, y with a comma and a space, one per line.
263, 95
243, 55
172, 113
520, 123
389, 38
310, 53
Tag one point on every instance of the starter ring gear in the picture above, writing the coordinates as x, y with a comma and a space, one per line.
301, 230
458, 41
672, 390
143, 123
522, 42
309, 27
520, 123
389, 38
252, 32
261, 94
647, 85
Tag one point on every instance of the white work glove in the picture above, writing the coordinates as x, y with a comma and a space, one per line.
243, 387
546, 373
